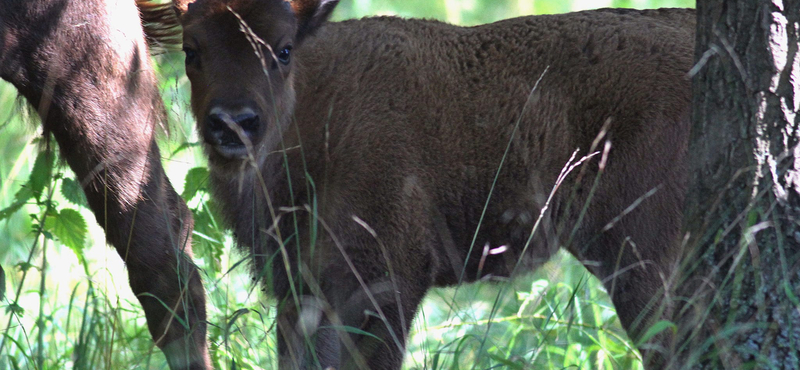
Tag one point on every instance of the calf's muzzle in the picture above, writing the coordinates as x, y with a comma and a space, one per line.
231, 132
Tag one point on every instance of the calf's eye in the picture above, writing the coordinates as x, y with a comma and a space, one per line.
191, 55
283, 55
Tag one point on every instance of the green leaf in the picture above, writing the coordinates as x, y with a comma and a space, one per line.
46, 234
656, 329
40, 175
351, 330
22, 197
69, 227
196, 180
15, 309
10, 210
14, 362
72, 191
239, 312
752, 217
185, 146
507, 364
24, 266
205, 237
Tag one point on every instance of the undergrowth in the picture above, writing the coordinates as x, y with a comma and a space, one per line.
67, 304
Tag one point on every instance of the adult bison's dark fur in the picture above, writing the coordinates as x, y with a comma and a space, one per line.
85, 67
363, 162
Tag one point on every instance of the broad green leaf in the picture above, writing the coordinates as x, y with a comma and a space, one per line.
24, 266
196, 180
22, 197
69, 227
72, 191
10, 210
15, 309
24, 194
40, 175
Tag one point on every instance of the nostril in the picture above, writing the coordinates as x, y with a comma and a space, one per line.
216, 122
221, 130
248, 122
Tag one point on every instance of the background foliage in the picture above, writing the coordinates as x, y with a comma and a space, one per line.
71, 307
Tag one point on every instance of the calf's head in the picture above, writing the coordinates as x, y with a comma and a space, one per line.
239, 60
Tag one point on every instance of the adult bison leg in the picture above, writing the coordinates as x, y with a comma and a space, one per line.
153, 238
84, 66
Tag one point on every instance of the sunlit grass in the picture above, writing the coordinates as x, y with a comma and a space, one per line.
558, 316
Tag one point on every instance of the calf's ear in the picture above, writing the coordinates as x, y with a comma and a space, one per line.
181, 6
310, 15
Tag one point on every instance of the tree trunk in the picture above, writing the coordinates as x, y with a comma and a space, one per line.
737, 305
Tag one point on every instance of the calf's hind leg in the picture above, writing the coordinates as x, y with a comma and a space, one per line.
635, 258
637, 281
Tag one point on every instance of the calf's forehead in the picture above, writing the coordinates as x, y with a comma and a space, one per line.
269, 19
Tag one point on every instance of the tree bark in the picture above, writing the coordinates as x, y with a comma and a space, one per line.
737, 305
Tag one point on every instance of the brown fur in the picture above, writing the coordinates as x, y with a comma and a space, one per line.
378, 165
84, 66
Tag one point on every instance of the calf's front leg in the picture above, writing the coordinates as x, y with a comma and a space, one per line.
356, 314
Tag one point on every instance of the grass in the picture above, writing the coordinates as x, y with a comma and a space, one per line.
71, 308
557, 317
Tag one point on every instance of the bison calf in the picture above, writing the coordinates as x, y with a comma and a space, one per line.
361, 163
